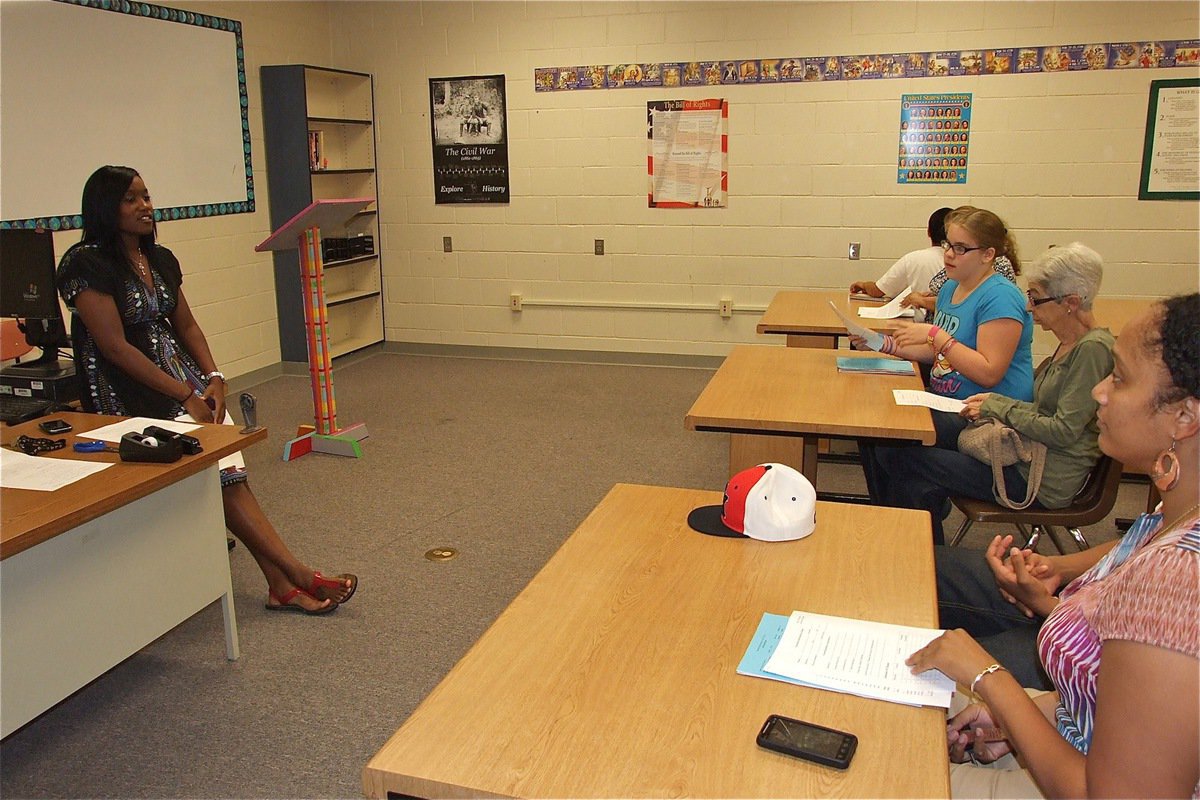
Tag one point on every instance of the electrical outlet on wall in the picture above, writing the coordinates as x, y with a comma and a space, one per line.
599, 247
726, 309
855, 251
447, 245
515, 302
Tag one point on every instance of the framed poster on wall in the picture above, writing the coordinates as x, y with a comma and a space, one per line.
1171, 153
688, 158
469, 122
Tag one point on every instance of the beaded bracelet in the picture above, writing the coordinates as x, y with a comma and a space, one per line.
945, 349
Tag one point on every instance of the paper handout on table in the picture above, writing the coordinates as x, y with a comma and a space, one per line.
913, 397
858, 657
114, 432
880, 366
874, 340
19, 471
889, 311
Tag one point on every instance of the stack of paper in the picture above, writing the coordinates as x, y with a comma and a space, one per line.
890, 311
844, 655
880, 366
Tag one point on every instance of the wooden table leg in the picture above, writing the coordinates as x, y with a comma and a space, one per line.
799, 452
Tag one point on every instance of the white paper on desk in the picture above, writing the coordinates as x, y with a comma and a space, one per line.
890, 311
874, 340
19, 471
859, 657
913, 397
114, 432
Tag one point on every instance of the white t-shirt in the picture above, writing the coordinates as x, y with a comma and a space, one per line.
912, 271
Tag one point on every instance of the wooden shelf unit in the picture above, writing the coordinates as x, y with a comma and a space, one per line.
298, 99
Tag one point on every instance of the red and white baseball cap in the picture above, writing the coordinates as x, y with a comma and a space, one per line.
771, 502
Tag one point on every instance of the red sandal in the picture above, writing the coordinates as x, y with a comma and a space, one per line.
324, 588
285, 604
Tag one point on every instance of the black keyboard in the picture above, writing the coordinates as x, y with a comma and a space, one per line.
14, 409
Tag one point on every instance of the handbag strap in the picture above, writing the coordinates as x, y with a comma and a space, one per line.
1037, 464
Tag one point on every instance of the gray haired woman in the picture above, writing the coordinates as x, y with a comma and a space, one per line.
1063, 282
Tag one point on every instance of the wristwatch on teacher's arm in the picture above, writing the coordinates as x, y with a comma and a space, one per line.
208, 376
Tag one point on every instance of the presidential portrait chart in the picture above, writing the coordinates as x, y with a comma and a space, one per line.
935, 133
470, 139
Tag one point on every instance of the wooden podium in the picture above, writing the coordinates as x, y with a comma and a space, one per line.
304, 232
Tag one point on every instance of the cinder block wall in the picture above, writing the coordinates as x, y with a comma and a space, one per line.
812, 166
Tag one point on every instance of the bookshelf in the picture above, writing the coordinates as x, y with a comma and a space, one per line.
299, 101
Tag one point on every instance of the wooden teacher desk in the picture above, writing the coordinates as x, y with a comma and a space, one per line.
95, 571
776, 401
613, 673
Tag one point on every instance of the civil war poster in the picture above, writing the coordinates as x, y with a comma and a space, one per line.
470, 139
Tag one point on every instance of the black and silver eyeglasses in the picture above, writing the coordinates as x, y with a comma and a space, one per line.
959, 249
1037, 301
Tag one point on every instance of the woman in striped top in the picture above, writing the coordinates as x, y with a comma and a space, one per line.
1122, 641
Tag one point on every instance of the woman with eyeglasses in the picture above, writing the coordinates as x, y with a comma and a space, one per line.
1063, 283
980, 339
1121, 642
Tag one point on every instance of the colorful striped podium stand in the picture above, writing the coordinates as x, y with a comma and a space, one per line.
304, 231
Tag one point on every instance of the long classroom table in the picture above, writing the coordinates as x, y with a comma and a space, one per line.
776, 401
613, 673
804, 317
94, 571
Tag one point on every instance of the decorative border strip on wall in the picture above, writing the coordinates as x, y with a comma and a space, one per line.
151, 11
1006, 61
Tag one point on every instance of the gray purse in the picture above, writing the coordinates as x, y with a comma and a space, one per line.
992, 442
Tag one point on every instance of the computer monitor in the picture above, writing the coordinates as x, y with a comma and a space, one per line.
27, 290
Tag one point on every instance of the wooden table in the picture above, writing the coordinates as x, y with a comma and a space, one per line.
776, 401
98, 569
612, 674
805, 318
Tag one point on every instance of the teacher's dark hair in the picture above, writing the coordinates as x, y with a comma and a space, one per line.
1176, 338
102, 194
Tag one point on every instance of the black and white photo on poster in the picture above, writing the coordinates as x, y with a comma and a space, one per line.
470, 139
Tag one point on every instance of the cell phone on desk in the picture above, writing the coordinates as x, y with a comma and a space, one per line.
808, 741
54, 427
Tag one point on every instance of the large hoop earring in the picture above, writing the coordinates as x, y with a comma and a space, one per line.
1166, 469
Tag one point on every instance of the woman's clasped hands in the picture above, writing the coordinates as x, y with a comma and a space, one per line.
1025, 578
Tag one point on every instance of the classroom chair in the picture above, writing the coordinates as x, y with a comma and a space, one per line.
1093, 503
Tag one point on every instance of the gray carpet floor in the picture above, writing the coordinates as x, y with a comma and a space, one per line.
498, 459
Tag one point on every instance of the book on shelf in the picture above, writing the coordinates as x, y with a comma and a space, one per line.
316, 151
875, 365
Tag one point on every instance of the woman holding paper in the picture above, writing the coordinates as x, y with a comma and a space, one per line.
1122, 645
1063, 284
981, 336
140, 352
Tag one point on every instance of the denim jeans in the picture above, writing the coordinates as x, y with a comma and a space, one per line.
924, 478
968, 599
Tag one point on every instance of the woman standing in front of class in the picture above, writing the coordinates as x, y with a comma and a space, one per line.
140, 352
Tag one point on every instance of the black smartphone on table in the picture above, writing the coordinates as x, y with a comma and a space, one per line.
808, 741
54, 427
